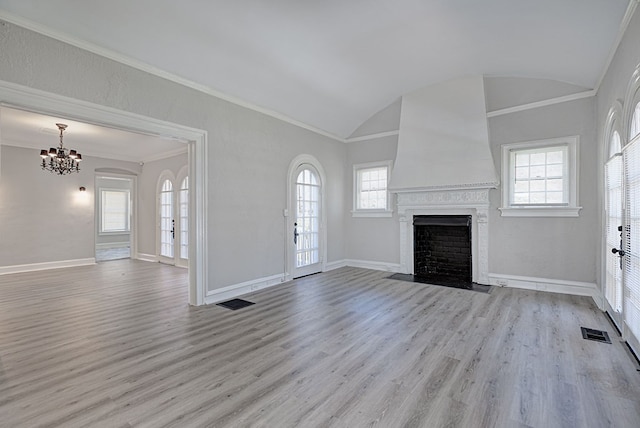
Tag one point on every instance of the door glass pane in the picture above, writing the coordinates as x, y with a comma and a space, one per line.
613, 218
307, 218
166, 217
184, 219
632, 238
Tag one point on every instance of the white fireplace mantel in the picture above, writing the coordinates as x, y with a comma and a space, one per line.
472, 200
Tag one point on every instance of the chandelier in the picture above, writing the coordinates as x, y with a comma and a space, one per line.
60, 161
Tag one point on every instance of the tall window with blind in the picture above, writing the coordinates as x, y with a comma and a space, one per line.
114, 211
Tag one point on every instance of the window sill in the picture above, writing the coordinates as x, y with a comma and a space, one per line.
540, 211
120, 232
372, 213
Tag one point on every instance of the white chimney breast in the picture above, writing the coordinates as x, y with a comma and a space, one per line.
443, 141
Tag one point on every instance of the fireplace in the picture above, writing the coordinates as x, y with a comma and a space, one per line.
442, 248
470, 203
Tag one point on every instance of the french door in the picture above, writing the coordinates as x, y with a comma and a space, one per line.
622, 286
307, 204
173, 223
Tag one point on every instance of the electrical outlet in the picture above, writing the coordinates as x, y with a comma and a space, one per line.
502, 282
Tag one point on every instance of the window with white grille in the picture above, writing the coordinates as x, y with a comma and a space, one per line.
540, 178
371, 195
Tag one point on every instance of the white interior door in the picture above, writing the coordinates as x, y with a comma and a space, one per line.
307, 222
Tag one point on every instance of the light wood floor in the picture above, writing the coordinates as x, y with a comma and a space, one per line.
116, 345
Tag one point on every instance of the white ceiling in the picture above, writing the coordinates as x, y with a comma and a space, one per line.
332, 64
38, 131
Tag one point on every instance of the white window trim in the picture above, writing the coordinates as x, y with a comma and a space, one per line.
359, 212
115, 232
569, 210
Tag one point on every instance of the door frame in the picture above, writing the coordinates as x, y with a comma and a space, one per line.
133, 207
35, 100
289, 214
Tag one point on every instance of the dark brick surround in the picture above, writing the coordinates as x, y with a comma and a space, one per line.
442, 247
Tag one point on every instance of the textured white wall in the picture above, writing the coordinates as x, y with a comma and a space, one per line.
556, 248
372, 239
249, 153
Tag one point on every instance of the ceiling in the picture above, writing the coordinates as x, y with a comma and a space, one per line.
37, 131
331, 64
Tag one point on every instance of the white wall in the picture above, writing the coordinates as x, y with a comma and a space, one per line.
248, 154
372, 238
44, 217
553, 248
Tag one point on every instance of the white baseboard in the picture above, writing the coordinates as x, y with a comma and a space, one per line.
335, 265
5, 270
366, 264
546, 284
233, 291
108, 245
146, 257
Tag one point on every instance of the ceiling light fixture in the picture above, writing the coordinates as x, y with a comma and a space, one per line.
61, 161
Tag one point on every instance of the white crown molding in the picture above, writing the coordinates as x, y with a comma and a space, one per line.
543, 103
165, 155
372, 136
626, 19
147, 68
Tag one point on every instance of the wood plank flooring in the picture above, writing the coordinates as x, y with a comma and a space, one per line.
116, 345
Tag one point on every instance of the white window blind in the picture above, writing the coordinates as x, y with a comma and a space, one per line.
114, 211
613, 286
372, 188
632, 238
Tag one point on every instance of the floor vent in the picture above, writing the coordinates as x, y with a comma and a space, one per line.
235, 304
597, 335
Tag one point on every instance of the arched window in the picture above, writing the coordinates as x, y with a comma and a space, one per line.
615, 144
184, 218
634, 130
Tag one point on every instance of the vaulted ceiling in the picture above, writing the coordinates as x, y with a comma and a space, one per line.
331, 64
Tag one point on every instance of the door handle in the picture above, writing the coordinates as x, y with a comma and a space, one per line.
621, 253
295, 233
173, 229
